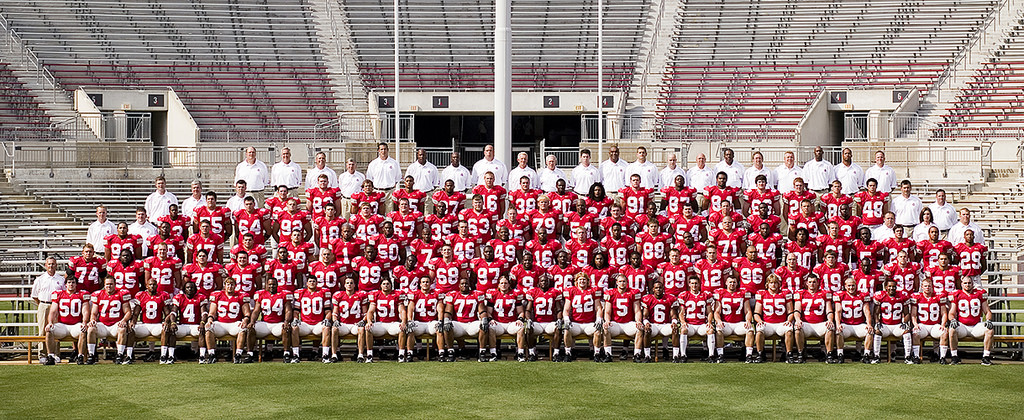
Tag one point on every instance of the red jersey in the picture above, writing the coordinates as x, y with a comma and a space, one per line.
871, 206
618, 250
755, 198
677, 199
448, 273
563, 202
217, 216
275, 206
466, 306
562, 277
839, 244
691, 254
585, 221
386, 305
406, 224
313, 305
516, 228
479, 224
652, 248
636, 200
506, 251
453, 202
832, 277
680, 224
206, 278
256, 254
874, 251
272, 305
546, 220
968, 305
174, 243
416, 198
728, 244
426, 251
286, 274
813, 305
767, 248
733, 304
712, 273
245, 277
607, 222
906, 276
637, 277
716, 195
190, 311
891, 309
773, 305
487, 273
505, 304
659, 309
695, 306
462, 246
751, 273
210, 243
424, 306
492, 196
527, 278
598, 208
349, 306
622, 305
252, 223
115, 244
809, 222
970, 258
714, 219
87, 273
328, 276
792, 280
408, 280
805, 254
178, 226
366, 226
388, 249
543, 253
346, 251
368, 273
317, 199
869, 283
69, 306
930, 251
583, 304
543, 303
111, 308
847, 227
163, 271
599, 277
944, 281
929, 308
894, 247
152, 306
374, 199
850, 310
772, 220
129, 277
793, 200
291, 222
524, 201
674, 276
834, 202
298, 253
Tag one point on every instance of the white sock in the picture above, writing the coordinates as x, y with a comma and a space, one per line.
557, 351
401, 352
840, 350
675, 352
120, 349
369, 352
212, 352
711, 345
750, 350
877, 345
249, 353
907, 344
917, 351
494, 350
647, 352
532, 351
130, 351
163, 351
608, 350
953, 351
719, 351
324, 350
636, 351
202, 351
295, 350
943, 350
986, 353
92, 349
170, 351
682, 349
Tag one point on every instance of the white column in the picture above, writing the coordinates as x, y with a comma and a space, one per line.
503, 81
398, 121
600, 82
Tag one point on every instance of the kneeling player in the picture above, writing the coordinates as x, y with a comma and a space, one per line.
228, 318
189, 319
313, 304
110, 317
421, 308
622, 305
661, 319
893, 319
813, 317
544, 309
383, 319
773, 315
507, 307
153, 315
465, 315
70, 307
970, 304
581, 315
733, 315
695, 309
932, 312
274, 311
348, 314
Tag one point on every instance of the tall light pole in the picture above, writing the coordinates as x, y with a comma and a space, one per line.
600, 82
398, 121
503, 80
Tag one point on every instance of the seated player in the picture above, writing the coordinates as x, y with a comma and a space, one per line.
314, 307
773, 317
813, 317
110, 317
190, 316
348, 312
68, 310
660, 319
582, 314
273, 310
968, 306
625, 316
892, 319
383, 317
696, 307
543, 310
507, 306
421, 308
465, 315
152, 313
228, 319
971, 257
930, 320
853, 311
734, 316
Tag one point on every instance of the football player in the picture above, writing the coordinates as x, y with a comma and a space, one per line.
969, 305
68, 311
110, 318
813, 317
228, 318
314, 307
625, 316
189, 318
582, 315
696, 307
273, 310
466, 315
773, 315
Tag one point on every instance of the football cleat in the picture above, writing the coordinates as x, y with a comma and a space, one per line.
237, 359
286, 357
211, 359
202, 360
334, 358
557, 358
647, 359
677, 359
720, 358
91, 360
492, 358
128, 360
608, 358
801, 358
569, 357
520, 357
362, 359
50, 361
247, 358
909, 360
369, 359
637, 358
840, 359
80, 359
151, 357
876, 360
866, 358
533, 358
986, 360
170, 360
295, 359
325, 359
955, 361
917, 360
933, 357
482, 357
760, 357
750, 358
163, 360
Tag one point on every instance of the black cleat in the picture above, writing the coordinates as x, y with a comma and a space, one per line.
118, 359
151, 357
933, 357
247, 358
760, 357
986, 360
750, 358
50, 361
237, 359
482, 357
80, 359
943, 361
170, 360
647, 359
128, 360
493, 357
677, 359
91, 360
866, 358
956, 360
876, 360
211, 359
163, 360
285, 358
637, 358
533, 357
801, 358
909, 360
720, 358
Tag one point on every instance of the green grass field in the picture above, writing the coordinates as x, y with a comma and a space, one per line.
511, 390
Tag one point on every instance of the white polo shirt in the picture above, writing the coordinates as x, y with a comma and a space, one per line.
459, 175
734, 171
518, 173
785, 176
700, 178
159, 205
425, 176
818, 175
648, 172
189, 206
385, 173
350, 183
956, 233
614, 175
885, 175
750, 177
943, 216
668, 176
45, 285
549, 177
583, 177
494, 166
256, 175
98, 232
907, 209
852, 177
312, 174
288, 174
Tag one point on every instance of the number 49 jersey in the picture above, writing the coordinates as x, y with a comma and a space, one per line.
313, 304
891, 309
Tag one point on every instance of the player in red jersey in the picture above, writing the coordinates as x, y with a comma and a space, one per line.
865, 247
673, 273
166, 270
407, 221
122, 240
272, 316
545, 218
314, 307
733, 316
507, 307
228, 318
466, 314
808, 219
407, 276
248, 276
762, 216
525, 198
175, 243
696, 317
599, 272
543, 247
831, 272
205, 239
773, 317
805, 250
191, 310
688, 223
256, 252
791, 200
151, 312
767, 244
526, 274
898, 243
677, 196
871, 204
366, 222
127, 272
848, 224
944, 276
852, 313
463, 244
426, 247
321, 196
635, 197
580, 218
814, 317
563, 272
625, 319
750, 271
368, 270
762, 195
931, 248
638, 273
346, 248
868, 278
967, 308
582, 314
207, 276
284, 271
518, 228
618, 246
384, 317
422, 309
486, 270
792, 274
349, 314
278, 202
218, 217
417, 199
720, 192
598, 201
180, 224
110, 315
506, 248
69, 308
479, 220
660, 319
894, 309
87, 269
971, 257
494, 196
389, 246
447, 201
447, 270
252, 220
652, 244
326, 271
543, 309
373, 199
930, 320
906, 273
712, 270
615, 215
834, 199
292, 220
729, 242
299, 251
832, 240
563, 200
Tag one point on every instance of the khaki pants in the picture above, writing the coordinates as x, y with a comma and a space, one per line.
41, 315
346, 207
260, 199
295, 192
388, 205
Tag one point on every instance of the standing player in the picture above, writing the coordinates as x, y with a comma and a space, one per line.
463, 244
969, 305
673, 273
677, 196
127, 272
87, 269
218, 217
248, 277
543, 246
447, 201
872, 204
866, 247
618, 246
906, 273
761, 195
525, 198
750, 271
638, 274
321, 196
407, 222
166, 270
122, 240
389, 246
768, 245
299, 251
205, 239
251, 220
486, 270
175, 243
711, 270
326, 271
729, 242
972, 258
494, 196
652, 244
293, 220
206, 276
582, 248
944, 277
479, 220
835, 199
527, 275
447, 270
831, 272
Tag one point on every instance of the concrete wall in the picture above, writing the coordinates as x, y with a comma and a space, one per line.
483, 102
182, 130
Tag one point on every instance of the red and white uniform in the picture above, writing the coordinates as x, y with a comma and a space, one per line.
636, 200
599, 208
680, 224
674, 276
313, 306
448, 273
426, 251
275, 206
716, 195
659, 313
678, 199
618, 250
637, 277
272, 305
406, 225
889, 310
453, 202
832, 277
69, 310
733, 304
173, 242
320, 198
286, 274
328, 276
178, 226
546, 220
543, 253
767, 248
850, 313
524, 201
205, 278
562, 202
252, 223
562, 277
626, 222
544, 303
774, 311
87, 273
408, 280
462, 246
833, 203
466, 306
728, 244
116, 244
874, 251
366, 226
751, 273
869, 283
599, 277
813, 305
505, 305
967, 306
388, 249
653, 248
245, 277
929, 314
152, 306
346, 251
847, 227
793, 200
415, 197
809, 222
163, 271
424, 306
349, 306
479, 224
712, 274
755, 198
585, 221
190, 311
218, 218
516, 228
970, 258
127, 278
583, 304
805, 254
623, 316
691, 254
871, 207
506, 251
930, 251
374, 199
298, 253
210, 243
527, 278
256, 254
111, 309
906, 276
755, 221
944, 281
894, 247
492, 196
695, 307
386, 305
487, 273
792, 280
840, 245
368, 273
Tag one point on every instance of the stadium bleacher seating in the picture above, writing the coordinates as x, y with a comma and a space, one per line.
21, 115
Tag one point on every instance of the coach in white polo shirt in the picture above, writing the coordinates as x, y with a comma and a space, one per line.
758, 168
522, 169
459, 174
194, 201
668, 175
550, 174
349, 182
787, 172
158, 204
884, 174
733, 169
700, 175
43, 288
906, 206
647, 170
956, 233
424, 174
100, 229
613, 172
943, 214
489, 164
849, 174
255, 174
585, 174
320, 168
287, 173
818, 172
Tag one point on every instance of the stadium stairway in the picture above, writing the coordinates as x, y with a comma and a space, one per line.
998, 207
